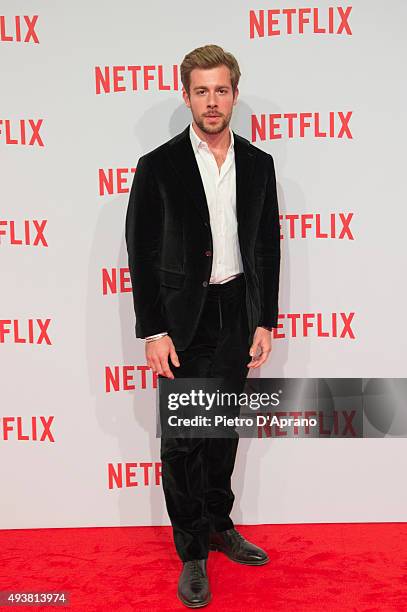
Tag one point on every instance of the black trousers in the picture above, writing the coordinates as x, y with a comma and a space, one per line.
196, 472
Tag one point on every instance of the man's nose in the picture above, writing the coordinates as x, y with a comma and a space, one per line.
211, 99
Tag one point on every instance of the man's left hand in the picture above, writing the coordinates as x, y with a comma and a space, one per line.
262, 343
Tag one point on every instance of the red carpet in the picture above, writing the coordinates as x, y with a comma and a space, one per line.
332, 567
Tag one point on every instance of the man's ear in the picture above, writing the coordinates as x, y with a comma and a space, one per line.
186, 97
236, 96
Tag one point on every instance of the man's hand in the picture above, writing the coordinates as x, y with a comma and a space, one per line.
262, 342
157, 353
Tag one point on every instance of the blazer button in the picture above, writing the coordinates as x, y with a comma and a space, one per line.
208, 253
205, 284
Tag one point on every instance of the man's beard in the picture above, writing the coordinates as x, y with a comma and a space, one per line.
222, 123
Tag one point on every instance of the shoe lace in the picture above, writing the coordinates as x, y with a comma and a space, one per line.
196, 571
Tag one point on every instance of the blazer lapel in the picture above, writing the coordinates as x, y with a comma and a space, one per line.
182, 158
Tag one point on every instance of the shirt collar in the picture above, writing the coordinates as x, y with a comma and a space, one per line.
196, 141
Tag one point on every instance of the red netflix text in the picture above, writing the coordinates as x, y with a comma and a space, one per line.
316, 20
315, 324
23, 132
123, 475
115, 180
116, 280
22, 428
115, 79
29, 232
30, 331
129, 378
334, 124
316, 225
20, 28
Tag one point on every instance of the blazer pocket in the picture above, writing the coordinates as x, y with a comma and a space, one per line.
169, 278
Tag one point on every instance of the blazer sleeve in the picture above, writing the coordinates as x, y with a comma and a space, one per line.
143, 232
267, 252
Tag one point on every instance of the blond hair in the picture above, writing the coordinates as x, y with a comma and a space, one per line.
209, 56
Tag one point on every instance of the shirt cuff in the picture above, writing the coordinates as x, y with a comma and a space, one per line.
156, 336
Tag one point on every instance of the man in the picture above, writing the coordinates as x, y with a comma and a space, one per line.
203, 238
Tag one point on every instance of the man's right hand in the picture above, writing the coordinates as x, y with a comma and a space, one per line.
157, 353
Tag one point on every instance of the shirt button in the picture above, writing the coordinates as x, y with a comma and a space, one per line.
205, 284
208, 253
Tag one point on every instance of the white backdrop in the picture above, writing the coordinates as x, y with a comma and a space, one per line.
94, 429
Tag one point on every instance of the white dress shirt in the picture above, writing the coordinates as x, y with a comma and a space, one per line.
220, 191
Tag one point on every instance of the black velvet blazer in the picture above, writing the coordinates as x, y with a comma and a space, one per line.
169, 239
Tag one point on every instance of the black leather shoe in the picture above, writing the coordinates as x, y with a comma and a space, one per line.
237, 548
193, 584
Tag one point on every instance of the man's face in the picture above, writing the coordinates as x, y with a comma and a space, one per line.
211, 98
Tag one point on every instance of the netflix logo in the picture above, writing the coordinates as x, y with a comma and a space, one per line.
124, 475
20, 28
339, 423
29, 232
115, 180
317, 20
299, 125
315, 324
26, 429
23, 132
30, 331
116, 280
116, 79
129, 378
310, 225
